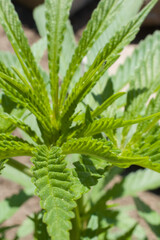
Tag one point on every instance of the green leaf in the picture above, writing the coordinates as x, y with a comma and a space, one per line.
104, 59
40, 228
107, 124
9, 59
145, 143
91, 234
18, 92
68, 48
122, 17
132, 184
53, 185
39, 48
148, 126
2, 162
99, 190
68, 45
26, 228
20, 124
7, 105
11, 146
104, 150
12, 26
56, 15
40, 20
144, 83
123, 222
89, 146
140, 56
135, 73
87, 171
100, 20
106, 104
149, 215
127, 235
10, 206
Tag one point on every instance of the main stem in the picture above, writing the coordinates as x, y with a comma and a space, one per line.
20, 167
76, 225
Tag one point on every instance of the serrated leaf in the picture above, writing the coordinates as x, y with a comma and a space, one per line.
107, 124
19, 93
85, 172
68, 45
138, 72
101, 18
56, 15
89, 146
141, 54
53, 187
2, 163
103, 149
106, 104
20, 124
8, 106
68, 48
122, 17
40, 228
142, 85
89, 170
11, 146
12, 26
104, 59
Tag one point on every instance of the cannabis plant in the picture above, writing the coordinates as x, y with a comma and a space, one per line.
79, 123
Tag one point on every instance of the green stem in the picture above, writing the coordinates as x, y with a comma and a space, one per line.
76, 226
19, 166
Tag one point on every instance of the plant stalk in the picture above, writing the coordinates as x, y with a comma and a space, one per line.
76, 226
20, 167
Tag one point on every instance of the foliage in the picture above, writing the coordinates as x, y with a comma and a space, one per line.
79, 125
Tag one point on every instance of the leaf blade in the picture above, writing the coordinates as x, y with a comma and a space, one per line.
95, 27
53, 187
56, 15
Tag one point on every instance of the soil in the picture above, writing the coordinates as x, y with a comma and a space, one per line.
32, 205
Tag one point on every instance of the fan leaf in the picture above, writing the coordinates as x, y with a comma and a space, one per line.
53, 185
12, 26
56, 15
11, 146
100, 20
104, 59
20, 124
24, 95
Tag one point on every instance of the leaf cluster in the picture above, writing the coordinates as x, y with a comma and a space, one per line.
79, 109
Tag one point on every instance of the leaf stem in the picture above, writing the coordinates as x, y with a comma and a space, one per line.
76, 226
19, 166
